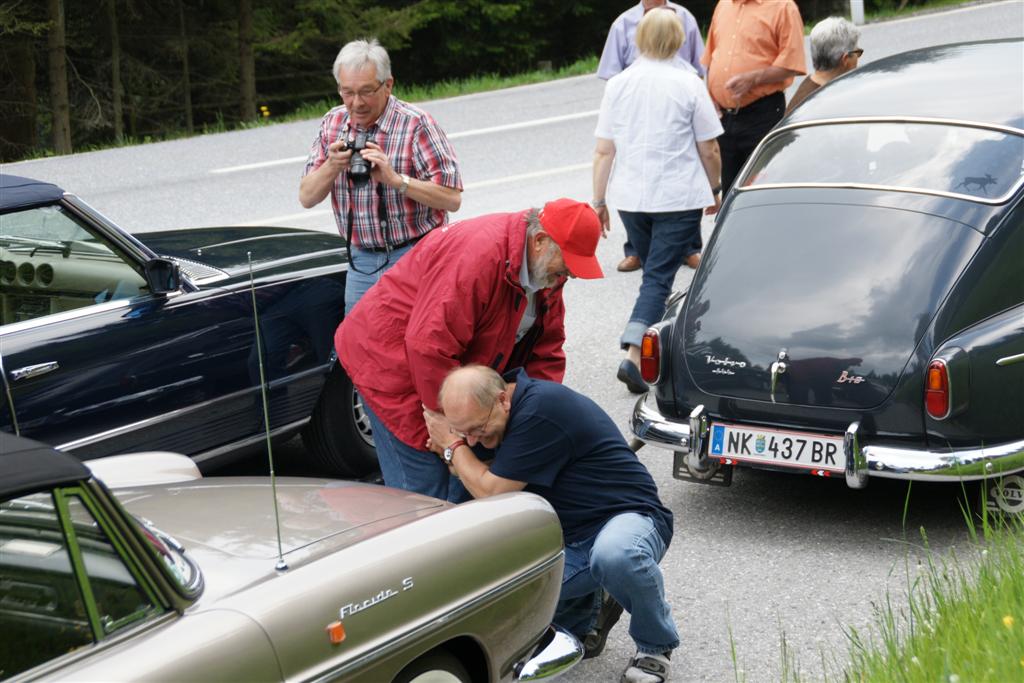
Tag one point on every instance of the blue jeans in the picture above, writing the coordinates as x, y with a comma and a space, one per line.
357, 284
622, 558
404, 467
663, 241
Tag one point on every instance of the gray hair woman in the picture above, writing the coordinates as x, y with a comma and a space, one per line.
834, 51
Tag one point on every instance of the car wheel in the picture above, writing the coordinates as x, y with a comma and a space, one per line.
1004, 496
438, 666
338, 438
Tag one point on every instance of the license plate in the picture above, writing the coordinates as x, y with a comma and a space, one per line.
778, 447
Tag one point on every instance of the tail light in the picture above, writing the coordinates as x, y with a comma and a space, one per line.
650, 356
936, 390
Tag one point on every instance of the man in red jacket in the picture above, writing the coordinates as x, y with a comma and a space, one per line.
486, 290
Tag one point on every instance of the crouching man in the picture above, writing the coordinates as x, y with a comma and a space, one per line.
501, 434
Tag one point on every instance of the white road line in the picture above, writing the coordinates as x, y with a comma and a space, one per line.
317, 213
453, 136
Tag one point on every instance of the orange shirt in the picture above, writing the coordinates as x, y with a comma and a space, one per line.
752, 34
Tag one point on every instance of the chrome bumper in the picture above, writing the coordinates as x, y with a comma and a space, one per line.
651, 427
924, 465
862, 461
557, 652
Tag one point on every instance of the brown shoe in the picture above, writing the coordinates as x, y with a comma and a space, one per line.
628, 264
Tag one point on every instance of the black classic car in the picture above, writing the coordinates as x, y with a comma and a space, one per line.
859, 311
111, 342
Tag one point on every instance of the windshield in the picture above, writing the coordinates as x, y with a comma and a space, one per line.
975, 162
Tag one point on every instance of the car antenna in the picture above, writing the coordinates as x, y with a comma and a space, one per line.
281, 564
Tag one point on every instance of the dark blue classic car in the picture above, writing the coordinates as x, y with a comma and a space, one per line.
859, 311
111, 342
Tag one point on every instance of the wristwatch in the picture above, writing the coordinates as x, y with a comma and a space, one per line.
405, 184
449, 452
598, 203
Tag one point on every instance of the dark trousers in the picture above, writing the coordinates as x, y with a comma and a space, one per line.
744, 129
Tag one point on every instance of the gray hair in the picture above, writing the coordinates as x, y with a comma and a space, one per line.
831, 39
533, 225
358, 53
479, 381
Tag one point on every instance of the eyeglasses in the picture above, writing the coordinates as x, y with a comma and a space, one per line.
364, 94
856, 53
476, 432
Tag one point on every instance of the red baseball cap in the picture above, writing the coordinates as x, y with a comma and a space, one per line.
576, 229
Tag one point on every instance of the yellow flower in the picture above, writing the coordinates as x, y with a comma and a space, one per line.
1008, 621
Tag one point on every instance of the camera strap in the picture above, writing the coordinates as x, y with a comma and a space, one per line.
382, 221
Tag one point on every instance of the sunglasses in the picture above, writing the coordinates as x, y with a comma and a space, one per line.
856, 53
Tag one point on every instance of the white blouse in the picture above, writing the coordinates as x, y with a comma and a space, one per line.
655, 113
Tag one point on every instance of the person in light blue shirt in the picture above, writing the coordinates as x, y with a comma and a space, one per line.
620, 51
620, 48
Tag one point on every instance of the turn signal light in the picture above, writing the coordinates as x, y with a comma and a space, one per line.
936, 390
336, 632
650, 356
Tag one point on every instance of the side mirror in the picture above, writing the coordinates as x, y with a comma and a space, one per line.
163, 276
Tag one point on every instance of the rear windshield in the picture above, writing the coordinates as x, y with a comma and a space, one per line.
975, 162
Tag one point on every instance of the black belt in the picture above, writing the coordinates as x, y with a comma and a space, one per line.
770, 100
392, 247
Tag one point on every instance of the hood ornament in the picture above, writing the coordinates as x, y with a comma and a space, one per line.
778, 368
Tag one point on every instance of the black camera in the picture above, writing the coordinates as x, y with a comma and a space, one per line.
358, 167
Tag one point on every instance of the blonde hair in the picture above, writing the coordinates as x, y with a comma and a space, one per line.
660, 34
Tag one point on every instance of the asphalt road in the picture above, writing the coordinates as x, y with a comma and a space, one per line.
773, 557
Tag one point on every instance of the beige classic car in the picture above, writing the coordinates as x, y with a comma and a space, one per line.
187, 580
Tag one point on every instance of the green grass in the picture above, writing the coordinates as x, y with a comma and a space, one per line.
894, 12
961, 623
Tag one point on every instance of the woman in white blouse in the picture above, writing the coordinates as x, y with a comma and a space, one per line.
659, 126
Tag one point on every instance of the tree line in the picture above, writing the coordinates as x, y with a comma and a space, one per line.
81, 73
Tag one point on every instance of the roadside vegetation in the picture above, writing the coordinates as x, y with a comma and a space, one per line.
77, 78
961, 619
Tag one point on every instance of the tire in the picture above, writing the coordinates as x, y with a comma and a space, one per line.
338, 438
437, 666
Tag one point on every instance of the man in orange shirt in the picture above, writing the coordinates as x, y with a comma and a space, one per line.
754, 50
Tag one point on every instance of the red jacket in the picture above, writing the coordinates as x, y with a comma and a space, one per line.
453, 300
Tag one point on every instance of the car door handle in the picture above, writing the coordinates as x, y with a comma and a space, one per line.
1010, 360
34, 370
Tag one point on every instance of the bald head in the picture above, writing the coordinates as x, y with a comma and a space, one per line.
475, 383
476, 402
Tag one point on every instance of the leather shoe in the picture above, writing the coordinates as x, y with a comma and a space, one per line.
629, 374
628, 264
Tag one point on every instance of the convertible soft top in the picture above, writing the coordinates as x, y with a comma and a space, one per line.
27, 466
17, 192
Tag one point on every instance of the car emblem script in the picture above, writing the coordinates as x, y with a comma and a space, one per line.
847, 378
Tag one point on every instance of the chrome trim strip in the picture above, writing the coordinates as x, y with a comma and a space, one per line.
1010, 360
157, 419
82, 312
428, 628
249, 441
556, 653
651, 427
960, 123
888, 188
864, 186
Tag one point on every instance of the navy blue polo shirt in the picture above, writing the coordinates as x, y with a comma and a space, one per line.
569, 452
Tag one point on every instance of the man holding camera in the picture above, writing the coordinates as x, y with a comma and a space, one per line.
389, 168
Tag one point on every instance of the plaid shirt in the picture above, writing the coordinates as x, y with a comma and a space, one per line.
416, 146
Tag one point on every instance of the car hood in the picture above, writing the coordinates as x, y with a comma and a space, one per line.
229, 248
846, 291
227, 524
